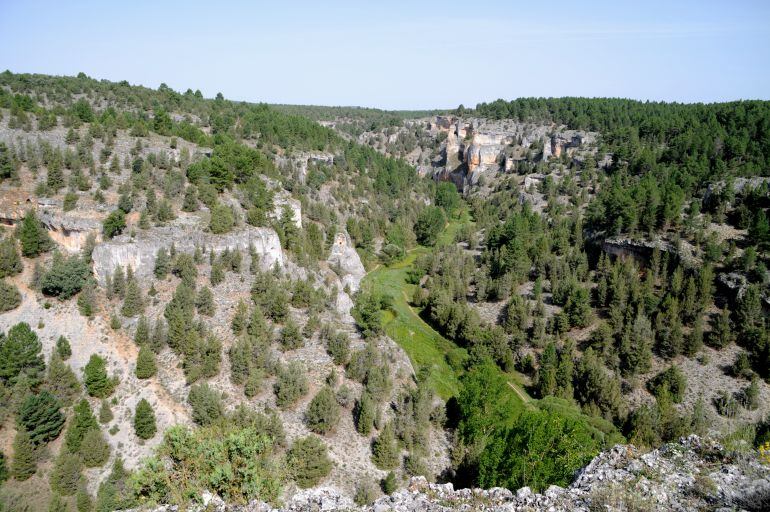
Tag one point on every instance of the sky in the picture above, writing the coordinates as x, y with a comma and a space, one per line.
401, 54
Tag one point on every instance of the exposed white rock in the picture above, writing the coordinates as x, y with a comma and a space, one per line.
139, 252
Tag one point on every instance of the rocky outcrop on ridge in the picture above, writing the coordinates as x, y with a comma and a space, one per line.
692, 474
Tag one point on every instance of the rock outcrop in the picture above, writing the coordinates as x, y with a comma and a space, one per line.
139, 252
346, 263
692, 474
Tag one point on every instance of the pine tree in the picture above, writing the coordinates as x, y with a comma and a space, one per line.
82, 422
20, 354
142, 334
61, 381
145, 363
118, 283
65, 476
33, 236
41, 416
162, 263
63, 348
238, 323
365, 413
3, 469
24, 462
190, 203
385, 453
96, 380
133, 303
323, 412
546, 375
204, 302
144, 420
87, 300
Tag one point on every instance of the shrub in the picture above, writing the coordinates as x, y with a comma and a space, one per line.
114, 224
338, 347
61, 381
539, 449
388, 484
222, 219
66, 474
94, 449
323, 412
144, 420
206, 404
673, 379
308, 461
66, 277
290, 384
10, 297
364, 414
10, 262
291, 337
365, 493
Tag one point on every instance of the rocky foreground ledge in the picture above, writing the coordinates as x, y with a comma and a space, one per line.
693, 474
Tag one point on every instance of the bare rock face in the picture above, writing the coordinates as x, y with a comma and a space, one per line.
281, 201
346, 262
642, 249
139, 253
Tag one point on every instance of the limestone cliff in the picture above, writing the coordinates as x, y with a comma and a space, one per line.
139, 252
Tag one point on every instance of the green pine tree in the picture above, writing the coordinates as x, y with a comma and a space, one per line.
33, 236
96, 380
144, 420
24, 462
385, 452
82, 422
63, 348
145, 363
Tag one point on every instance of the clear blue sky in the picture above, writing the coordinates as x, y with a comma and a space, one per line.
394, 54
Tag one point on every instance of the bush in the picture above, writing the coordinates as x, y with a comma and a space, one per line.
539, 449
97, 382
388, 484
365, 413
323, 412
63, 348
290, 384
114, 224
365, 493
291, 337
66, 277
673, 379
10, 297
338, 347
94, 449
308, 461
222, 219
144, 420
10, 261
41, 416
206, 404
66, 474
